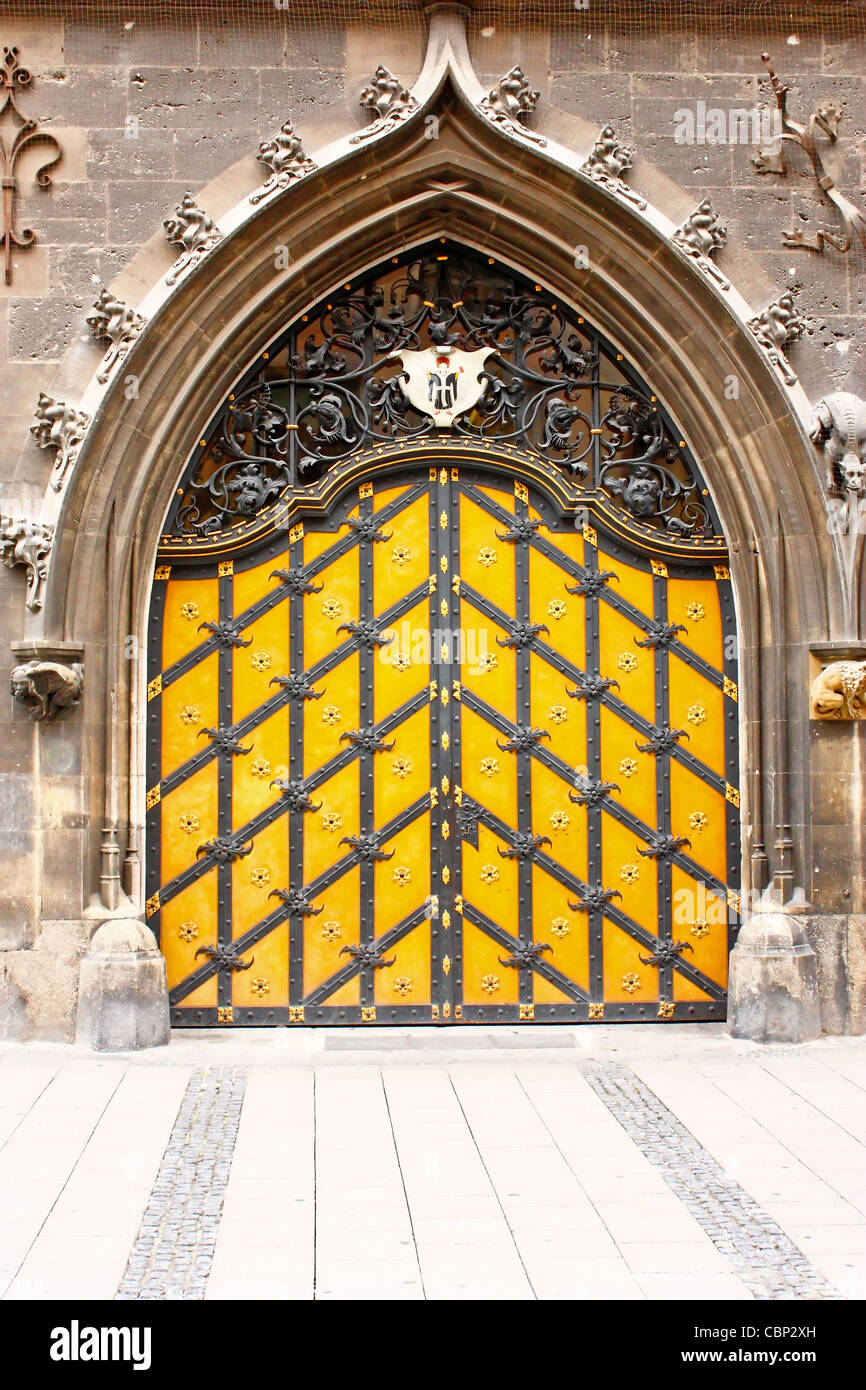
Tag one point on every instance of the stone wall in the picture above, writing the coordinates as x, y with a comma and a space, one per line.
149, 100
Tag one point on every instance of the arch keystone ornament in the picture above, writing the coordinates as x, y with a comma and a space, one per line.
604, 441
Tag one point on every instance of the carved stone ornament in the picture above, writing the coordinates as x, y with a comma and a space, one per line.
390, 102
113, 322
510, 102
27, 543
443, 382
192, 230
12, 79
46, 688
824, 119
839, 426
775, 327
61, 427
700, 236
606, 163
839, 691
284, 156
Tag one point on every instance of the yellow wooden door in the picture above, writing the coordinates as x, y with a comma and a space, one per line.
442, 756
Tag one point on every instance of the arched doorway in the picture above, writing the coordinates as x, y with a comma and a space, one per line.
442, 708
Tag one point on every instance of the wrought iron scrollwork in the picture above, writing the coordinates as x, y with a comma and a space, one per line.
296, 902
332, 383
595, 899
524, 846
367, 957
525, 957
225, 958
666, 952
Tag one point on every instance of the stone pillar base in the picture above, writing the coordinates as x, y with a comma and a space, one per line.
122, 990
773, 985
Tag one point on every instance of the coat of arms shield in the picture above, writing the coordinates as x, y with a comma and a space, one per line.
443, 382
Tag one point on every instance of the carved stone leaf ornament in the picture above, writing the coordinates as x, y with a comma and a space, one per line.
194, 232
700, 236
510, 102
389, 101
284, 155
28, 543
60, 427
113, 322
780, 324
606, 163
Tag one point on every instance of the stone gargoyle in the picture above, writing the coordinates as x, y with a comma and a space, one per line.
839, 426
839, 691
47, 688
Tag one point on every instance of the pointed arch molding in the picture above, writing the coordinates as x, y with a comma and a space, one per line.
528, 205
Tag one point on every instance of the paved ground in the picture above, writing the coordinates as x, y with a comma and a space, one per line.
596, 1162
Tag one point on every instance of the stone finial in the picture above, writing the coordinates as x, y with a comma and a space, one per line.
839, 691
60, 427
284, 155
510, 102
775, 327
47, 688
839, 426
192, 230
700, 236
113, 322
606, 163
27, 543
390, 101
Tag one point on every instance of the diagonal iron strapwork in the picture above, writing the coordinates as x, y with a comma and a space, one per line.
368, 528
296, 581
224, 741
662, 740
522, 634
295, 794
593, 793
660, 633
663, 846
368, 740
525, 957
296, 902
367, 633
666, 952
297, 687
226, 958
228, 633
225, 848
522, 739
523, 528
367, 846
592, 687
525, 846
367, 957
592, 584
595, 899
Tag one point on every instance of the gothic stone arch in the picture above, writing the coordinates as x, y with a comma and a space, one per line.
529, 207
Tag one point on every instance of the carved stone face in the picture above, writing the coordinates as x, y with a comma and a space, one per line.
852, 469
21, 684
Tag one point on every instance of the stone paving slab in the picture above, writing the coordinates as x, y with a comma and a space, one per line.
609, 1163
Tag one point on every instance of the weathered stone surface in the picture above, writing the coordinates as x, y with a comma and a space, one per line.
839, 943
122, 993
773, 985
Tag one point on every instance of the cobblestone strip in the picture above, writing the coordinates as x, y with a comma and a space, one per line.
173, 1251
757, 1248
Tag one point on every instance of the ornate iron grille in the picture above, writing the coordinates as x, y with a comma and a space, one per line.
330, 385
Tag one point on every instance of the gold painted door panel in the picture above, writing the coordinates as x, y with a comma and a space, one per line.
438, 757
